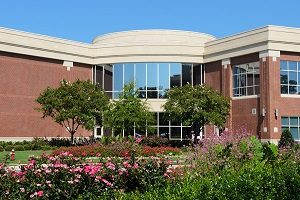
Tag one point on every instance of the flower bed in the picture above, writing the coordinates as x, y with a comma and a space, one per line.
117, 150
66, 176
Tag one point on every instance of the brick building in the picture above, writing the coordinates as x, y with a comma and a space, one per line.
258, 69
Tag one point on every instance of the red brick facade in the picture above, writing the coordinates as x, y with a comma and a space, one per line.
22, 79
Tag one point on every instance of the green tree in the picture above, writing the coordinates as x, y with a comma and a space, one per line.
286, 139
73, 105
128, 111
197, 105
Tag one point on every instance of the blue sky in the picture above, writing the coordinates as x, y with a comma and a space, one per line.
82, 20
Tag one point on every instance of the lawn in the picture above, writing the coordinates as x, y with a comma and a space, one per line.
21, 156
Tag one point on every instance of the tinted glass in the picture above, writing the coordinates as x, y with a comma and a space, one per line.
164, 132
163, 119
118, 77
292, 89
292, 65
163, 76
108, 77
140, 75
128, 73
283, 65
175, 74
284, 77
197, 74
284, 89
294, 132
152, 76
186, 74
284, 121
175, 132
293, 121
292, 78
99, 75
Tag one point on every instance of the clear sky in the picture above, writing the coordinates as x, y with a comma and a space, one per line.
82, 20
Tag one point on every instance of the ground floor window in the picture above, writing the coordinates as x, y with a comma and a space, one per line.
172, 129
291, 123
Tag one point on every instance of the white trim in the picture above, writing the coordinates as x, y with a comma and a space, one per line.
226, 61
297, 96
246, 97
269, 53
274, 141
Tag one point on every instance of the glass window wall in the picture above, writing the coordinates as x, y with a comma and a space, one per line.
152, 80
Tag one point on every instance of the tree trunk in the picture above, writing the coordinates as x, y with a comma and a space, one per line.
72, 137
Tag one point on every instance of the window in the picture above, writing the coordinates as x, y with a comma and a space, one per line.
246, 79
152, 80
291, 123
289, 77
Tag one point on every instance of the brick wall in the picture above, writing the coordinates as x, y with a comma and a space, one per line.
22, 79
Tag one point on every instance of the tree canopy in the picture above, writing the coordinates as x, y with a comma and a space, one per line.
197, 104
73, 104
128, 111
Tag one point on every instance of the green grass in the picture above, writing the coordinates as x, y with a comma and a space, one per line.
21, 156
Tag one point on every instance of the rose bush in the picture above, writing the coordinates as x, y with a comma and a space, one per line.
66, 176
117, 149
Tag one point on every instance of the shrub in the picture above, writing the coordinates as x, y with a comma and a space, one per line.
1, 149
155, 141
286, 139
27, 147
19, 148
9, 148
46, 148
69, 177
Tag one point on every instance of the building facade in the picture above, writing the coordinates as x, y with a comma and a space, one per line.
258, 70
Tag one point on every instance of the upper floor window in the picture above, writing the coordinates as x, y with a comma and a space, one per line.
152, 80
246, 79
289, 77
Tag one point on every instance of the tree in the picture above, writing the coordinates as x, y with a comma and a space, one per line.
73, 105
128, 112
286, 139
197, 106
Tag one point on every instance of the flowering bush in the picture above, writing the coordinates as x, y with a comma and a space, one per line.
118, 149
66, 176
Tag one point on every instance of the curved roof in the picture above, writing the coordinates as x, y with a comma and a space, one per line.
153, 36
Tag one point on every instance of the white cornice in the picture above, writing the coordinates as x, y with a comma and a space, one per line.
153, 45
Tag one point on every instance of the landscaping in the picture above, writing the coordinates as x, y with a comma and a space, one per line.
232, 166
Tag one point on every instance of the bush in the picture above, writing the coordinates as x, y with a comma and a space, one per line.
46, 148
19, 148
9, 148
286, 139
1, 149
155, 141
69, 177
27, 147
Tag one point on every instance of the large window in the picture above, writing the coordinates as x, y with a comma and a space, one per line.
151, 79
246, 79
291, 123
290, 77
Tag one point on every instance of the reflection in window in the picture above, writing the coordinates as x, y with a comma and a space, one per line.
246, 79
163, 81
152, 80
175, 75
128, 73
289, 77
291, 123
186, 74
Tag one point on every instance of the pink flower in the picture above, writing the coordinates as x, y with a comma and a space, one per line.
110, 165
22, 189
40, 193
109, 184
135, 166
